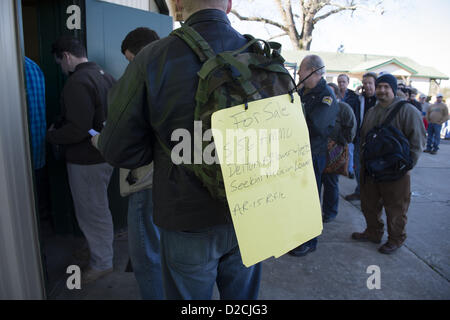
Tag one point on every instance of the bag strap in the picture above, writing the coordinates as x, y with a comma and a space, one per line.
394, 112
195, 41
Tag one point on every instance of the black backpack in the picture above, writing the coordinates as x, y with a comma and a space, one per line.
386, 154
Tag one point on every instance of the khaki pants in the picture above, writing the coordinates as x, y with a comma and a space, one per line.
395, 198
89, 187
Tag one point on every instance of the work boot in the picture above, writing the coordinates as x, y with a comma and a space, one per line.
388, 248
364, 237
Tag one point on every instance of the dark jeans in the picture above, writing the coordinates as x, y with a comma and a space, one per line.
42, 192
193, 261
330, 201
434, 136
143, 242
357, 165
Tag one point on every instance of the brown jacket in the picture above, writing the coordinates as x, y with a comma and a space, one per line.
437, 113
408, 120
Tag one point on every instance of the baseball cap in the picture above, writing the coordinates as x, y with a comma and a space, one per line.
439, 95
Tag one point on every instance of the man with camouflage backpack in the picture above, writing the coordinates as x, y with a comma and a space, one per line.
202, 67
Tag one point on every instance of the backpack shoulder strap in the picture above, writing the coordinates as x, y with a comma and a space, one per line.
195, 41
394, 112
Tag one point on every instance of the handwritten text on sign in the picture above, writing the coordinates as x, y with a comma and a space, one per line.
268, 174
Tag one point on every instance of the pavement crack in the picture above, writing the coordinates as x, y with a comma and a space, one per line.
434, 268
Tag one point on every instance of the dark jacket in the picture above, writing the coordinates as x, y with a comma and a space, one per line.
155, 97
345, 128
416, 104
364, 104
321, 109
83, 107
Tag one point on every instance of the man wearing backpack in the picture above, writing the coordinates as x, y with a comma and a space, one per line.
155, 97
394, 195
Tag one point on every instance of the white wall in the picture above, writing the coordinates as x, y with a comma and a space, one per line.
353, 83
394, 69
421, 84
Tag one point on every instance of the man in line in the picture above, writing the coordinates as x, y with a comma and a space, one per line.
343, 133
155, 97
35, 88
143, 235
351, 98
84, 109
321, 109
412, 99
366, 101
437, 115
394, 196
424, 104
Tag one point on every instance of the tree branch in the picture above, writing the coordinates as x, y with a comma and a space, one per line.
277, 36
260, 19
329, 13
352, 6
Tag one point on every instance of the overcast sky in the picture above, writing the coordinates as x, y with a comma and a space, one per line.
419, 29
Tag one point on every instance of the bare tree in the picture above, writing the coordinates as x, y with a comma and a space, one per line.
299, 27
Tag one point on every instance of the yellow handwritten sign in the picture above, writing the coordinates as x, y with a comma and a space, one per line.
271, 189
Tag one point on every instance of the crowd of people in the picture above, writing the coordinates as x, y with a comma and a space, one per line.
181, 239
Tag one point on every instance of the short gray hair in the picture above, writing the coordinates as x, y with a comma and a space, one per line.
315, 62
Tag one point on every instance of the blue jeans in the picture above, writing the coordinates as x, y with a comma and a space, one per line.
357, 165
143, 243
434, 136
193, 261
319, 164
351, 148
330, 200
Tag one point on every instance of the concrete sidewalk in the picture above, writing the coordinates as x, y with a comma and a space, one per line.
338, 268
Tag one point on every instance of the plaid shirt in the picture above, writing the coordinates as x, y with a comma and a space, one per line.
35, 88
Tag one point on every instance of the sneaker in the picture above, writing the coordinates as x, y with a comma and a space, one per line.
388, 248
301, 251
433, 152
364, 237
352, 197
90, 275
427, 151
351, 175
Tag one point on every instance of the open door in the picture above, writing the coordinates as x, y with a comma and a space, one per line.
101, 26
107, 25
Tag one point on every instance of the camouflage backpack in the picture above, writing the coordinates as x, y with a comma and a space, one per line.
232, 78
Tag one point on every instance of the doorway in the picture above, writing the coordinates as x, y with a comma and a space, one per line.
101, 27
